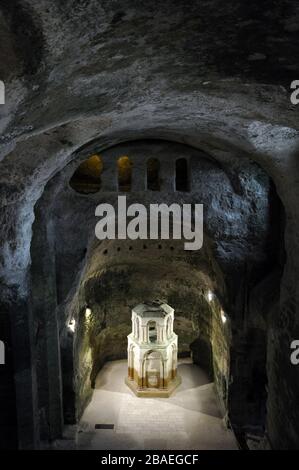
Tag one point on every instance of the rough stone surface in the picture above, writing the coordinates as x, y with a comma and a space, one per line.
213, 76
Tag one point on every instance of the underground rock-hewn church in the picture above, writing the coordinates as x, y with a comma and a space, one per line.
127, 336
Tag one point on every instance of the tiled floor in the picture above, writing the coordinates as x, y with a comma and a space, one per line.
189, 419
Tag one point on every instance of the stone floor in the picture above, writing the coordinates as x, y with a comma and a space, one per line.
189, 419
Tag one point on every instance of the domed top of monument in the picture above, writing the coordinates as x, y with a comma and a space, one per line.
156, 308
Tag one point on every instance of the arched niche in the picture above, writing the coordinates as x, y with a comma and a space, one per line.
153, 174
181, 175
124, 168
87, 178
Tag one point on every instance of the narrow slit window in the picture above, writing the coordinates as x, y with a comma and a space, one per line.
124, 166
181, 175
152, 331
153, 178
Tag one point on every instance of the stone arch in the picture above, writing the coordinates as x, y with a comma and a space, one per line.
87, 177
124, 167
153, 369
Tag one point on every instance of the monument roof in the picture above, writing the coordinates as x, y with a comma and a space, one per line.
155, 308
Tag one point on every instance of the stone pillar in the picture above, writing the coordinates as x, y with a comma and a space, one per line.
167, 175
141, 375
174, 362
159, 333
129, 362
47, 345
162, 334
110, 175
53, 345
25, 376
8, 420
144, 334
165, 373
138, 175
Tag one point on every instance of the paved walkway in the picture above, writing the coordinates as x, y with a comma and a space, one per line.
189, 419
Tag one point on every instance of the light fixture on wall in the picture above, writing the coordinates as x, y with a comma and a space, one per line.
72, 325
223, 317
210, 295
87, 313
